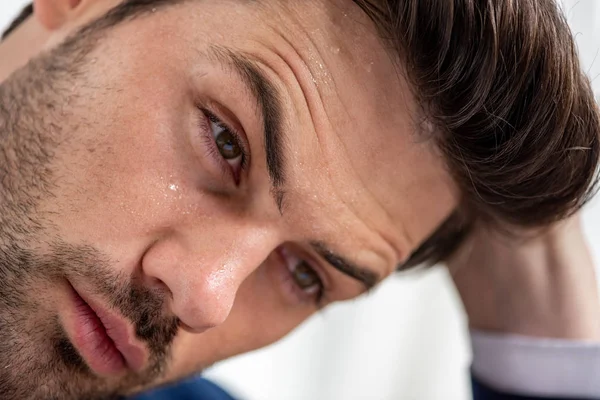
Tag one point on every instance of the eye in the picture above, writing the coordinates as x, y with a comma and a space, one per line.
306, 278
228, 143
224, 145
303, 279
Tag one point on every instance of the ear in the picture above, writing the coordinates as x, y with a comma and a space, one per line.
53, 14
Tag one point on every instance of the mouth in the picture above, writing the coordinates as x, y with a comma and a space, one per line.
105, 340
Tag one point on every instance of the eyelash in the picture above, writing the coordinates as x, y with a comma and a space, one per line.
210, 141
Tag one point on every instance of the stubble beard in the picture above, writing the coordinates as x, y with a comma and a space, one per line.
37, 360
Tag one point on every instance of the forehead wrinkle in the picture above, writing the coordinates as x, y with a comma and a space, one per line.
348, 205
329, 128
332, 108
351, 168
325, 85
311, 97
370, 195
401, 250
319, 93
313, 56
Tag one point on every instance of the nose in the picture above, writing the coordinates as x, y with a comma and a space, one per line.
203, 271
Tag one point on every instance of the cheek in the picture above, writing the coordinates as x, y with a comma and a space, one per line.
123, 171
108, 193
124, 161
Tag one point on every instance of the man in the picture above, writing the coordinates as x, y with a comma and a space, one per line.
188, 180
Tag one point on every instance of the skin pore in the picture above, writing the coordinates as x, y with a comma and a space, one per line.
118, 190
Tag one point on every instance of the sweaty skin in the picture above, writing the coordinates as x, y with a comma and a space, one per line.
108, 188
129, 206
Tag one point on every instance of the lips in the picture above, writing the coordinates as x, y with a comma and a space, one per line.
105, 340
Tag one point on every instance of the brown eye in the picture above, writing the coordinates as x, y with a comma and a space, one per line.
224, 147
227, 143
306, 278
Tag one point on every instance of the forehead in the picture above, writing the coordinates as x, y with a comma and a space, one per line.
380, 168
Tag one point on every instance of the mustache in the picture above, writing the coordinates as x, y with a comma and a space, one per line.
143, 306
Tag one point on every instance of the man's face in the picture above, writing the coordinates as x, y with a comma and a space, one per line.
194, 183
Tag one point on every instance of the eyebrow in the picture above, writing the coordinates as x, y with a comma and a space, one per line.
364, 275
269, 103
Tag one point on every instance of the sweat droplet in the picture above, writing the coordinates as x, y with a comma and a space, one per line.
154, 9
335, 50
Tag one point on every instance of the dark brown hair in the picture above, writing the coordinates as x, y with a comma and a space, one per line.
501, 85
512, 112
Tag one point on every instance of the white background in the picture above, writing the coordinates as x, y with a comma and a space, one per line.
405, 341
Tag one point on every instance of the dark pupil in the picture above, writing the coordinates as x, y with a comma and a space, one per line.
228, 145
305, 276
